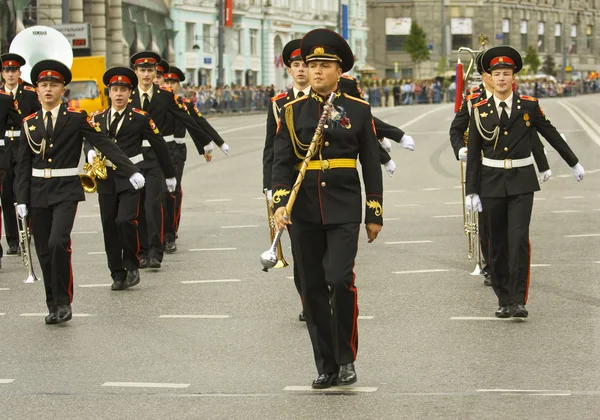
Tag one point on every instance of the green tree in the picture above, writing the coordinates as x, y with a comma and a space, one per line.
549, 65
442, 66
416, 45
532, 59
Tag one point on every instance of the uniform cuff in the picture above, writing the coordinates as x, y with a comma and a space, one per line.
281, 195
374, 209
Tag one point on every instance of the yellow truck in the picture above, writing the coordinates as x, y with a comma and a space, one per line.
86, 90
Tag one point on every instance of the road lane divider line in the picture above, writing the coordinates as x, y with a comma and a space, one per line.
588, 128
585, 235
6, 381
145, 385
194, 316
437, 270
408, 242
333, 389
210, 281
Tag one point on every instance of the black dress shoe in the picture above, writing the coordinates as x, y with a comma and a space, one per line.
502, 312
171, 247
347, 374
143, 262
301, 317
324, 380
133, 279
118, 284
64, 313
518, 310
13, 250
51, 317
154, 263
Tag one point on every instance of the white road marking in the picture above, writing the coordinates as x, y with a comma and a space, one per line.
2, 313
420, 117
539, 199
448, 216
31, 314
407, 205
91, 232
290, 277
96, 285
587, 235
194, 316
589, 126
565, 211
528, 392
392, 219
453, 202
145, 385
540, 265
457, 187
431, 189
480, 318
211, 249
573, 197
6, 381
407, 242
336, 389
440, 270
365, 317
4, 289
97, 253
218, 200
239, 227
210, 281
563, 176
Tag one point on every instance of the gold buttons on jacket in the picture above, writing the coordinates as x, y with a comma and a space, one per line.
51, 145
326, 143
506, 149
323, 184
506, 133
50, 160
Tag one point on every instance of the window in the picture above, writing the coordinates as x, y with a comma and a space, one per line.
407, 73
389, 74
506, 31
461, 41
589, 38
524, 39
558, 47
541, 43
189, 35
240, 39
573, 48
206, 40
395, 42
253, 41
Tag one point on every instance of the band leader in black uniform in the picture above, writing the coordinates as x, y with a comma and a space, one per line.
327, 212
48, 185
166, 112
119, 202
26, 100
501, 179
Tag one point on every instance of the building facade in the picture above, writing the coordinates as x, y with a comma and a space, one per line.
564, 29
254, 42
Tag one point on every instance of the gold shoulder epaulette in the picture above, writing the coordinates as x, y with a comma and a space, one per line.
345, 76
480, 103
472, 96
356, 99
186, 100
139, 111
79, 111
278, 97
93, 114
474, 89
4, 93
528, 98
29, 88
30, 116
166, 88
302, 98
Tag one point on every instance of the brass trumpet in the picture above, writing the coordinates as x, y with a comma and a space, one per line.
281, 262
26, 248
97, 169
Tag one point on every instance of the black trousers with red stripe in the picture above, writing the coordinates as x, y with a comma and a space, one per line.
51, 228
8, 205
325, 257
173, 205
119, 214
508, 220
151, 218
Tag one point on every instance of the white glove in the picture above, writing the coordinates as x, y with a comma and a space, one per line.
91, 155
462, 154
386, 144
137, 180
390, 167
171, 184
545, 176
22, 210
473, 203
407, 143
208, 149
270, 195
225, 148
578, 171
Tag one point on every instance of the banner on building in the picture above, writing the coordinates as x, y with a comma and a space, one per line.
345, 20
229, 13
78, 34
397, 26
461, 26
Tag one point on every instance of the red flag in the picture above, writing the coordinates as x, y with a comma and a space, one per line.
229, 13
459, 86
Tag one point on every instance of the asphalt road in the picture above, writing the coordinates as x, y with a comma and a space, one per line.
229, 345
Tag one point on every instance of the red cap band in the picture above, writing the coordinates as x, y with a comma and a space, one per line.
11, 63
120, 79
147, 60
51, 74
159, 69
502, 59
171, 76
295, 54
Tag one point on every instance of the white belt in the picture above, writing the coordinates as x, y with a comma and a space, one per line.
169, 138
146, 143
179, 141
1, 142
54, 173
13, 133
134, 159
507, 163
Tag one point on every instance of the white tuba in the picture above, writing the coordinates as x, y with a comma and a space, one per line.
39, 43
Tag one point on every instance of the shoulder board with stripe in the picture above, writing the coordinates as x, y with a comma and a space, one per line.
186, 100
93, 114
139, 111
29, 88
278, 97
474, 89
345, 76
480, 103
166, 88
528, 98
302, 98
356, 99
79, 111
4, 93
30, 116
472, 96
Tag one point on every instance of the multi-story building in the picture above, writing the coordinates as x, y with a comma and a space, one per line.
564, 29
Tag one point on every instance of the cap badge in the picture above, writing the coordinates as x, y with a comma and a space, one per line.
319, 50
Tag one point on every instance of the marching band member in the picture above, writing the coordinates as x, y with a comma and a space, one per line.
327, 213
503, 181
166, 113
26, 100
48, 185
119, 202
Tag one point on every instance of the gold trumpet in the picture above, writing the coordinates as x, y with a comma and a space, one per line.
25, 245
97, 169
281, 262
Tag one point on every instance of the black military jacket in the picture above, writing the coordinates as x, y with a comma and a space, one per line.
8, 113
136, 126
167, 113
62, 152
27, 102
461, 123
328, 196
277, 103
514, 142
